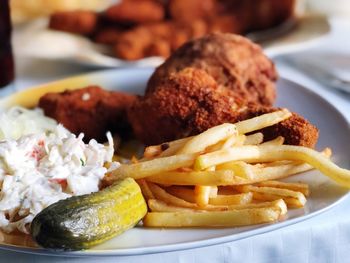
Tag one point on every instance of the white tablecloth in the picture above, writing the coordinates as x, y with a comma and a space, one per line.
324, 238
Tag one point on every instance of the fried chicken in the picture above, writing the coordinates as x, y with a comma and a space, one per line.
190, 101
186, 103
108, 35
233, 61
136, 12
156, 39
91, 110
258, 15
79, 22
189, 11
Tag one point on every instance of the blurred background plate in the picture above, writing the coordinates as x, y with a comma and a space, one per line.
43, 43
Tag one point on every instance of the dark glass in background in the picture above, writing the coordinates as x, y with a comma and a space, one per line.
6, 57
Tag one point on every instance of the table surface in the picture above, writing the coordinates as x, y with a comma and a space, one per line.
324, 238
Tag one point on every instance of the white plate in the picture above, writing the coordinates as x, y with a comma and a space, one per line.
334, 131
43, 43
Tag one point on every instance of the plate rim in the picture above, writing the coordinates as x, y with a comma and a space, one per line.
265, 228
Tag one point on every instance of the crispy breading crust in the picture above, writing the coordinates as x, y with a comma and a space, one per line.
188, 102
233, 61
90, 110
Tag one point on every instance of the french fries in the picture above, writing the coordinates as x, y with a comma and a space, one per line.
154, 166
146, 191
274, 153
172, 147
152, 151
298, 187
242, 217
225, 177
232, 199
236, 199
262, 121
254, 139
182, 192
209, 137
209, 178
277, 141
292, 198
202, 195
161, 206
162, 195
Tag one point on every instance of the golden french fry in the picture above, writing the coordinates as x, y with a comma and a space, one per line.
213, 191
189, 194
238, 153
146, 191
254, 139
262, 121
171, 148
209, 178
271, 190
234, 140
154, 166
241, 169
202, 194
229, 218
182, 192
231, 141
270, 193
279, 171
160, 206
276, 153
236, 199
209, 137
290, 201
134, 159
277, 141
164, 196
152, 151
298, 187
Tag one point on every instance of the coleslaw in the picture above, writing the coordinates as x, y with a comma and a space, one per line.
44, 167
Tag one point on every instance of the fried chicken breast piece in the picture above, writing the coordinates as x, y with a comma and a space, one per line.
187, 103
78, 22
233, 61
190, 101
91, 110
136, 12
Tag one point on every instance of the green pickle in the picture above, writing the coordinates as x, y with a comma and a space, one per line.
81, 222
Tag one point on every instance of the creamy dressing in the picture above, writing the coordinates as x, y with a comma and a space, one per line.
39, 169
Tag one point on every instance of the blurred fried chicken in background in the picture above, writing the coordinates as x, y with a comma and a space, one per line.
136, 12
79, 22
142, 28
